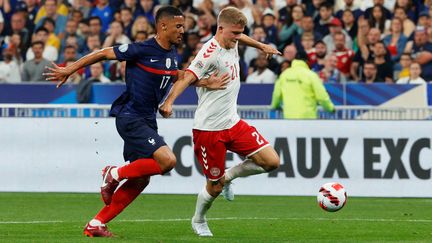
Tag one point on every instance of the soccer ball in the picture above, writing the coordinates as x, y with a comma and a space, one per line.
332, 197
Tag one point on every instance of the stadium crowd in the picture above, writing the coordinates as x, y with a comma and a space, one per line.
345, 40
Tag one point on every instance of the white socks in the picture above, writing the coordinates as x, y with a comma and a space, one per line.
204, 202
246, 168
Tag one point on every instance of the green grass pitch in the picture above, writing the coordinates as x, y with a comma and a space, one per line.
60, 217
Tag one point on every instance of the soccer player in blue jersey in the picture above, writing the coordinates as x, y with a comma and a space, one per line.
151, 67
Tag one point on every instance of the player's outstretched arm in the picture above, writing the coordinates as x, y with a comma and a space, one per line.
268, 49
61, 74
165, 109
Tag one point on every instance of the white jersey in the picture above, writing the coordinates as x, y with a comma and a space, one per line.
217, 109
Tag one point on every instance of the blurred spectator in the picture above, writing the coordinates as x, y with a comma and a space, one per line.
247, 8
321, 53
323, 20
131, 4
116, 35
145, 8
351, 7
191, 23
140, 36
307, 26
365, 52
18, 27
72, 30
408, 25
402, 70
424, 19
69, 53
205, 27
127, 20
31, 8
343, 55
410, 8
369, 72
330, 73
16, 47
378, 20
312, 7
308, 47
287, 32
80, 10
369, 11
49, 52
59, 9
299, 90
142, 24
185, 5
285, 14
335, 27
414, 77
251, 53
349, 24
97, 73
9, 69
262, 75
95, 25
93, 43
83, 28
421, 51
192, 40
362, 32
51, 11
53, 40
104, 12
34, 68
269, 24
396, 40
384, 66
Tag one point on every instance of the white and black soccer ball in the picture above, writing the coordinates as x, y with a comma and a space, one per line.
332, 196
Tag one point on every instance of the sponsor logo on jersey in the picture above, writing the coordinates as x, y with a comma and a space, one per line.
153, 60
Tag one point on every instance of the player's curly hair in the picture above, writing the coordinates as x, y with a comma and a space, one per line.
232, 15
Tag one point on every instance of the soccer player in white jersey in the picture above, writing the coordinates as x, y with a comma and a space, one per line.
217, 126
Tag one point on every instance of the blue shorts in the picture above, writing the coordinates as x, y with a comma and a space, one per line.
140, 137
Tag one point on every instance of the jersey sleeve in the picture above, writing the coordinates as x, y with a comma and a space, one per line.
203, 65
127, 52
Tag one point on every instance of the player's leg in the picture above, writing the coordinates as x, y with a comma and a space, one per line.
120, 200
260, 156
210, 151
145, 148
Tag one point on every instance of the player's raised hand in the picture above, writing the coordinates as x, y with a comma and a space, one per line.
56, 73
216, 82
270, 51
165, 110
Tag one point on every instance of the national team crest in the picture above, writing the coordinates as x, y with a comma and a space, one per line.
168, 63
215, 171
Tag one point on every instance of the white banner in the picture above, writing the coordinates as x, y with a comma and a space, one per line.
370, 158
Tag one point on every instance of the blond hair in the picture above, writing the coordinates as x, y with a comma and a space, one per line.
231, 15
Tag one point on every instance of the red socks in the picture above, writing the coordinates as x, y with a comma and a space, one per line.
122, 198
139, 168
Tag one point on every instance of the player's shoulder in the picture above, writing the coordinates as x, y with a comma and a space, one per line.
209, 49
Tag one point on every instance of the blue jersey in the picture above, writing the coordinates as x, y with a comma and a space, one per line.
150, 70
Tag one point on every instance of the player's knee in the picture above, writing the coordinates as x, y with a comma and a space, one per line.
272, 163
215, 188
168, 162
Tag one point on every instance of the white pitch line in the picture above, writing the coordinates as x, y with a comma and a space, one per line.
229, 218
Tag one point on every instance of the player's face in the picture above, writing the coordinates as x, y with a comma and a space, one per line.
175, 30
231, 34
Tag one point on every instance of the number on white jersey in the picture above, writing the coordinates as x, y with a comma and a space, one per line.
258, 138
